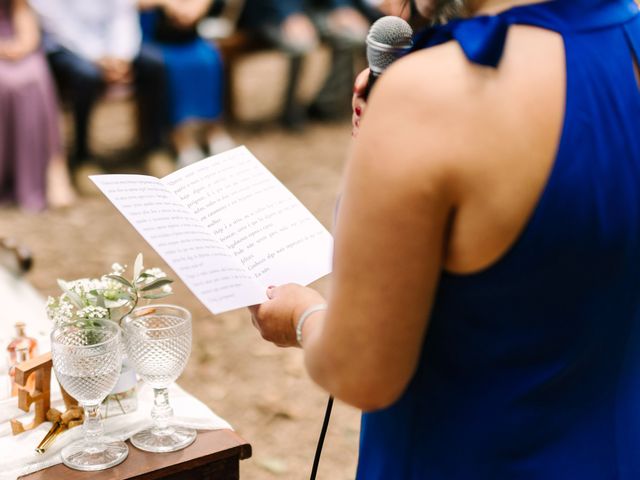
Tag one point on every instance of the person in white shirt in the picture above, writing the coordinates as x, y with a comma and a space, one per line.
93, 44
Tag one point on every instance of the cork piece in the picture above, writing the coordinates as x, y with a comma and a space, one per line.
53, 415
74, 423
75, 413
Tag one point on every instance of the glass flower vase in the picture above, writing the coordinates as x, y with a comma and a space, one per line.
123, 398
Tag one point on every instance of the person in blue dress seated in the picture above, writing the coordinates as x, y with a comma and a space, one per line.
195, 76
484, 306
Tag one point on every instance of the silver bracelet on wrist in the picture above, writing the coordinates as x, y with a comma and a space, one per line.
303, 318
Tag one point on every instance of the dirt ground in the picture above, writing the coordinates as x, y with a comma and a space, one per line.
261, 390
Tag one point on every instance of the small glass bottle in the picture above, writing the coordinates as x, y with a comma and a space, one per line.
22, 355
20, 349
20, 339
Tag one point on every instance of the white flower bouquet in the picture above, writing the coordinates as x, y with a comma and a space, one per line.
109, 297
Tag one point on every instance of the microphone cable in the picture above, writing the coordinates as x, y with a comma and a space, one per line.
323, 432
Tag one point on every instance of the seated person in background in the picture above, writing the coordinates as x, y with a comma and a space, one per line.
194, 75
93, 44
33, 171
295, 26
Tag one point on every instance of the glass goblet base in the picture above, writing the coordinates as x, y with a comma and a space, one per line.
100, 456
167, 439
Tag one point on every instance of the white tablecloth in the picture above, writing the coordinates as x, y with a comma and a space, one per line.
17, 453
20, 303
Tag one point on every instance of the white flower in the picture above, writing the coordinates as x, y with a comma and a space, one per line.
59, 310
117, 269
101, 298
83, 286
112, 285
155, 272
93, 313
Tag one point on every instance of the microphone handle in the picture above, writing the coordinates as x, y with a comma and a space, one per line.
372, 79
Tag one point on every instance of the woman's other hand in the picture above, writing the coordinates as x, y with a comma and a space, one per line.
276, 318
358, 102
115, 70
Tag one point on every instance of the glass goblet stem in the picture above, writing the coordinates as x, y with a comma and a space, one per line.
93, 429
161, 412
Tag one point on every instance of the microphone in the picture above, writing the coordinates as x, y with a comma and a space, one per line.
389, 38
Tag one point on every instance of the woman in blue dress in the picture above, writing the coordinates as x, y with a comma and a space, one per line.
195, 74
484, 309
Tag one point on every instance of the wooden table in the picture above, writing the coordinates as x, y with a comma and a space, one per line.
215, 455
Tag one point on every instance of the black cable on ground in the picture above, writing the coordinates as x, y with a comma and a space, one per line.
323, 432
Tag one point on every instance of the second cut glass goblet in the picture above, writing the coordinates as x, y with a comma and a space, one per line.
87, 357
158, 342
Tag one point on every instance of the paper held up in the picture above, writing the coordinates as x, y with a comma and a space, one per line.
226, 226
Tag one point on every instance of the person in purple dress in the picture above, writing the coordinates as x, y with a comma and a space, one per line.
33, 170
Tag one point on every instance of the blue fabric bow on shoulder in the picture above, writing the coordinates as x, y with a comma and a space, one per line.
482, 38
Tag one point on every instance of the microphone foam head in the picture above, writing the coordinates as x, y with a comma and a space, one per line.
389, 37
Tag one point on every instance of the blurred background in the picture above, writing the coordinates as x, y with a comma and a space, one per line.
150, 86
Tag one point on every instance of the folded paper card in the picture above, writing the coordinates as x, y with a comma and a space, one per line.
226, 226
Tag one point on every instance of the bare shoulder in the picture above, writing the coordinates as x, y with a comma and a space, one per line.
442, 76
453, 117
415, 127
479, 141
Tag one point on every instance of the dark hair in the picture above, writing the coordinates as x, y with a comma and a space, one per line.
444, 10
416, 20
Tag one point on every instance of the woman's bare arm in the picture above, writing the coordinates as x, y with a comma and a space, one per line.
389, 246
390, 238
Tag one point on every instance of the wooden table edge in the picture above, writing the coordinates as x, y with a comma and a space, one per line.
158, 465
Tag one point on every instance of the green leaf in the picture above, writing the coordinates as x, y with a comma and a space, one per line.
73, 296
115, 296
115, 303
138, 266
161, 282
120, 279
100, 301
155, 296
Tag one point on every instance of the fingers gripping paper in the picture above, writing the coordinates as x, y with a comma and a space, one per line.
226, 226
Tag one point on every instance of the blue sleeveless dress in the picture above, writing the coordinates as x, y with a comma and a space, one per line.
530, 369
195, 74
